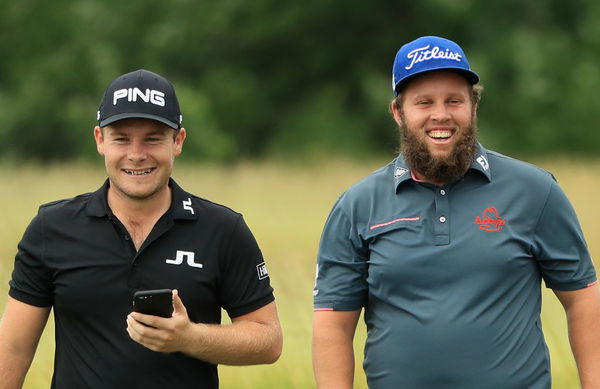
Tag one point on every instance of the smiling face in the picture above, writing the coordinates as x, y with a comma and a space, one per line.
437, 126
139, 156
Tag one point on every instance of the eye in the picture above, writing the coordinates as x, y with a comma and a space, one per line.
154, 139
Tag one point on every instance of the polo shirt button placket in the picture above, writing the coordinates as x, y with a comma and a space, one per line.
442, 208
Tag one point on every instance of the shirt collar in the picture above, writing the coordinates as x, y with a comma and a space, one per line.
182, 205
480, 164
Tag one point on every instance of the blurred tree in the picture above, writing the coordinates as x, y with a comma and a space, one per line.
270, 77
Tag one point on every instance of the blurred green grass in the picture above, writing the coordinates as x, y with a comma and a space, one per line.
285, 204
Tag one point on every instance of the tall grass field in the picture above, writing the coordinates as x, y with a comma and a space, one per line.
285, 205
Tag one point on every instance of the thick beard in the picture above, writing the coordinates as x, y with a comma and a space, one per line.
435, 169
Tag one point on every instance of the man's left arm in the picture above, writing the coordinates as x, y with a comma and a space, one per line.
583, 318
253, 338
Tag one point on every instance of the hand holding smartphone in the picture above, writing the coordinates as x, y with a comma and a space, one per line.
158, 302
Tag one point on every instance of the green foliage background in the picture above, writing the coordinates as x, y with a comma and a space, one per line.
265, 77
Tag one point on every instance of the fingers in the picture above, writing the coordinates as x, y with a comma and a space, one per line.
158, 333
178, 307
141, 331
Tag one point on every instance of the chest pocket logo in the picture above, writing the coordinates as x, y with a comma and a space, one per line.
187, 256
490, 220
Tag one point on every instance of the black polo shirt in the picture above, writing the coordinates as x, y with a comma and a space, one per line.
77, 257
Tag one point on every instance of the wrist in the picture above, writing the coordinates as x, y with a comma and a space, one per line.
192, 339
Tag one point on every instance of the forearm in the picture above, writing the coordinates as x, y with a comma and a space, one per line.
582, 307
20, 330
333, 350
240, 343
13, 367
584, 335
333, 361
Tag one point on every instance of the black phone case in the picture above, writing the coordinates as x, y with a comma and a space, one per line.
157, 302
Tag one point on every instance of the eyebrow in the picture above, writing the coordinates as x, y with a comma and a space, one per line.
429, 95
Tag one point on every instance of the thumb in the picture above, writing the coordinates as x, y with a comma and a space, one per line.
178, 307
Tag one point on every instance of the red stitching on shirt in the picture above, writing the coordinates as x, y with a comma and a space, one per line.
592, 283
402, 219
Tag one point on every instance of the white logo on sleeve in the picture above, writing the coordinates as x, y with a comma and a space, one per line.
187, 256
261, 269
187, 205
316, 289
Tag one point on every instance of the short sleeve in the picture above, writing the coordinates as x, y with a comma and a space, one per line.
244, 281
559, 245
31, 280
341, 280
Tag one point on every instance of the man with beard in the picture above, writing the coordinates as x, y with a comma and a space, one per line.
445, 249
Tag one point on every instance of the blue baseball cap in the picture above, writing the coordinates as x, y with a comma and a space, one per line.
426, 54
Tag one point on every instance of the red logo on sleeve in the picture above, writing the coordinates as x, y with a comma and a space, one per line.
490, 220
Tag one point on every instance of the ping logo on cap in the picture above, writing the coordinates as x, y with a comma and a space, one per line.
424, 54
152, 96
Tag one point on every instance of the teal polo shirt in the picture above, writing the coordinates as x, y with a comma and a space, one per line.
450, 276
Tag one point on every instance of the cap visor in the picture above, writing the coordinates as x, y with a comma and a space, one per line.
470, 75
122, 116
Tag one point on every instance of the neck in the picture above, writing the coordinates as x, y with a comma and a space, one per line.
139, 216
141, 210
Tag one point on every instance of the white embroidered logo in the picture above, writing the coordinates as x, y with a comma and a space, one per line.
483, 162
400, 171
424, 54
187, 205
315, 288
261, 269
188, 256
152, 96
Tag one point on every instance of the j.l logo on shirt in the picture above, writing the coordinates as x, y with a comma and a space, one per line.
490, 220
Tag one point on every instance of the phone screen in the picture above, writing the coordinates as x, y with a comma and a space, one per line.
157, 302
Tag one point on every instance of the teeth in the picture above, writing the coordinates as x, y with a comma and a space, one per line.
138, 172
440, 134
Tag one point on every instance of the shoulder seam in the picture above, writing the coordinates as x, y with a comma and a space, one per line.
541, 213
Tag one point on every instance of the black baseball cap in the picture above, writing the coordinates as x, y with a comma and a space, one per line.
140, 94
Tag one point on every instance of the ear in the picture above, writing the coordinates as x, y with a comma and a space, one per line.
99, 140
179, 139
396, 112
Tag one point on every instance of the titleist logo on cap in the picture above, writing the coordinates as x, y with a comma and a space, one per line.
424, 54
152, 96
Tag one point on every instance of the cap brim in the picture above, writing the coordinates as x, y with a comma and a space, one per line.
129, 115
470, 75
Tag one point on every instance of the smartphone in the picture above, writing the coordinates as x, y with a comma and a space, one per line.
157, 302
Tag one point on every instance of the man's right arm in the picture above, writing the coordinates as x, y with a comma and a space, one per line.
333, 352
20, 329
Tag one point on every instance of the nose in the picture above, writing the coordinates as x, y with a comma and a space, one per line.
440, 113
136, 151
